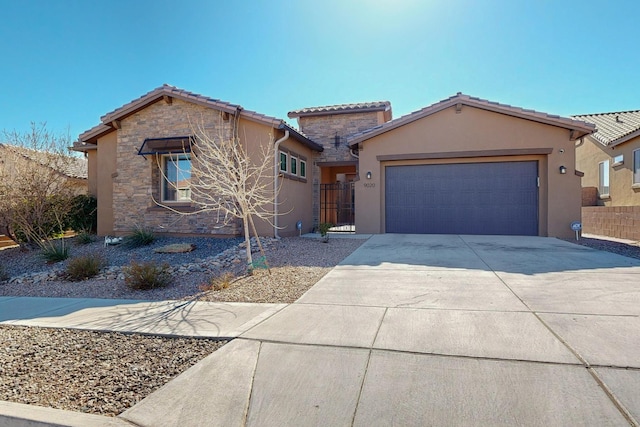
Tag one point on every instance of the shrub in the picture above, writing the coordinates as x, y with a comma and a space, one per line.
3, 274
324, 228
147, 275
83, 216
140, 236
84, 267
218, 283
84, 237
55, 251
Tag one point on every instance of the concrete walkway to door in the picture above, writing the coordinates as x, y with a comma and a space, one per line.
432, 330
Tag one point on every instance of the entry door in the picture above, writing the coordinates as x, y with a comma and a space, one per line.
466, 198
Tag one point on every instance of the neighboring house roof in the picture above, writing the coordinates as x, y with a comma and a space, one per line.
614, 128
87, 139
360, 107
578, 128
73, 167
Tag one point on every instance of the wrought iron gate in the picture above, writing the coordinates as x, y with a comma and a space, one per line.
337, 202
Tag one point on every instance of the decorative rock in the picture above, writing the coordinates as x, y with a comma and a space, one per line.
175, 248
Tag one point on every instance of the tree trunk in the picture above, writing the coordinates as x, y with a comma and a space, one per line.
247, 240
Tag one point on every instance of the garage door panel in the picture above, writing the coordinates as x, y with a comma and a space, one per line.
469, 198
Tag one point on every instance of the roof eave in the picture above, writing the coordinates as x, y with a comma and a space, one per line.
626, 138
579, 129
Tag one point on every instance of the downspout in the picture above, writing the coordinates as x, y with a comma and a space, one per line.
276, 171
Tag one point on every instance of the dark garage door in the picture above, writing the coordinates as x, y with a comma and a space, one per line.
468, 198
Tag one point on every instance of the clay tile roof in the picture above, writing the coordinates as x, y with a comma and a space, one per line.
581, 127
87, 139
341, 108
73, 167
614, 128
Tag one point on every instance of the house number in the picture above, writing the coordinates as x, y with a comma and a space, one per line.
369, 184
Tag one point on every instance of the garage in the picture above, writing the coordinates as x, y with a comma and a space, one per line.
465, 198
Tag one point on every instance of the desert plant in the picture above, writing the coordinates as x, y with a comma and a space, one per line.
84, 267
324, 230
147, 275
140, 236
83, 216
218, 283
3, 274
84, 237
55, 251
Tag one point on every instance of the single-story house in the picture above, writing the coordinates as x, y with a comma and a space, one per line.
610, 160
463, 165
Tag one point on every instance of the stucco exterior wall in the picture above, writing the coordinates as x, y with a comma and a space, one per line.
92, 175
479, 131
622, 192
106, 170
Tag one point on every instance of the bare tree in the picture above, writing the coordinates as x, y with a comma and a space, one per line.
35, 184
231, 178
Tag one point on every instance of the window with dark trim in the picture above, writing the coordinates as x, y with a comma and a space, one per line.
176, 177
303, 169
294, 166
283, 162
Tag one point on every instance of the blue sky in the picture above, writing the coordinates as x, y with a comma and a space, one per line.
67, 62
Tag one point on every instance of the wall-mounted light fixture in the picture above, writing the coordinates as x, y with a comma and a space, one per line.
563, 170
369, 175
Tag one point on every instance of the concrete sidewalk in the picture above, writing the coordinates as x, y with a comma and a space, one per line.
165, 318
425, 330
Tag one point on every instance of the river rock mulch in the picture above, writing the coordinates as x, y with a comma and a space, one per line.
92, 372
620, 248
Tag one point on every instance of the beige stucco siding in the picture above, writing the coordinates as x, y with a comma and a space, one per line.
484, 134
622, 192
106, 168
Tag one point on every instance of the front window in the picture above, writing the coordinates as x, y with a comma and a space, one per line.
603, 169
303, 169
636, 166
176, 182
283, 162
294, 166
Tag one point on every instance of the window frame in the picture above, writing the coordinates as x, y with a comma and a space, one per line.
164, 181
635, 171
285, 163
303, 169
617, 160
293, 165
604, 175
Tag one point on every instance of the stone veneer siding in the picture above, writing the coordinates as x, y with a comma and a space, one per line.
622, 222
138, 179
323, 129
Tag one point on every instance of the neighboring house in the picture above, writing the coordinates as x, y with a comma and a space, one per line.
610, 160
463, 165
140, 158
18, 162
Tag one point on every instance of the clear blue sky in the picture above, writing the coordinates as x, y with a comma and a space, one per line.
67, 62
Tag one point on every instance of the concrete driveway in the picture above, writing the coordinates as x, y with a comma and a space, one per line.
432, 330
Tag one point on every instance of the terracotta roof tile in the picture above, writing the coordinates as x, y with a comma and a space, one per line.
73, 167
614, 128
341, 108
463, 99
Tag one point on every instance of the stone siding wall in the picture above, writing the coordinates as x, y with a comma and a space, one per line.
622, 222
323, 130
138, 180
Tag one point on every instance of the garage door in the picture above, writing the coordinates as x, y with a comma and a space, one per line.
469, 198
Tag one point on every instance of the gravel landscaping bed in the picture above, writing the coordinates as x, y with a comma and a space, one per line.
92, 372
297, 263
624, 249
107, 373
